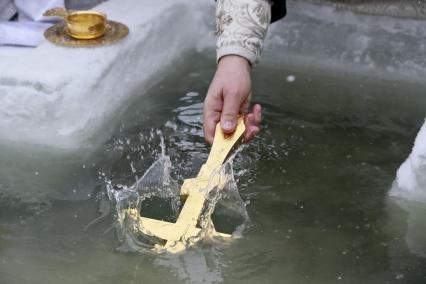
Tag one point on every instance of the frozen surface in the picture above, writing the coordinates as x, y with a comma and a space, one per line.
348, 43
395, 8
60, 96
322, 38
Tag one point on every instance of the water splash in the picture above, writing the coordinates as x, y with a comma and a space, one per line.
196, 266
156, 194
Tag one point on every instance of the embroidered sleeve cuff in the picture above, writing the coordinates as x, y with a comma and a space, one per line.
241, 27
237, 50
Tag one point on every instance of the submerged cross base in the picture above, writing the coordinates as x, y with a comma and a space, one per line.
177, 236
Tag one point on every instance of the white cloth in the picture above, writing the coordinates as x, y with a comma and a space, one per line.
7, 10
33, 9
26, 33
28, 30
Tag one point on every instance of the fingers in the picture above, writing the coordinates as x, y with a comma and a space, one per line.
229, 94
252, 122
210, 122
251, 132
212, 116
231, 108
245, 107
257, 111
211, 112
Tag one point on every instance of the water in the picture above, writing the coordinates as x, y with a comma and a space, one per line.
315, 185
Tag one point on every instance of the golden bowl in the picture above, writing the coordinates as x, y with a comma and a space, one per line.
86, 24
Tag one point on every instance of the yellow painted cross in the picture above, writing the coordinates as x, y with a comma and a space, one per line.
194, 191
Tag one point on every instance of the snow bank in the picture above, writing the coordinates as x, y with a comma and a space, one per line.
409, 192
411, 176
59, 96
322, 38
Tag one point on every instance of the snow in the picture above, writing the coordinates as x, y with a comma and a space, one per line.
60, 96
411, 177
321, 37
344, 43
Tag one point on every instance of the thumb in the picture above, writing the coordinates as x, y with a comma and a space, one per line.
228, 119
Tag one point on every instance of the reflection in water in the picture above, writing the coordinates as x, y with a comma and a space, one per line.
195, 266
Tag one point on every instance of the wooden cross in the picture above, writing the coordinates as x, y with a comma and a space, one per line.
194, 191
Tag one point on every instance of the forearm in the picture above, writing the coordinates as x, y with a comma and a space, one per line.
241, 27
241, 30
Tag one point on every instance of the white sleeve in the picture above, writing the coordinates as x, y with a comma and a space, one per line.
241, 27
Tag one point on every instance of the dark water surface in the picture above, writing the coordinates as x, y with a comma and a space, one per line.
315, 183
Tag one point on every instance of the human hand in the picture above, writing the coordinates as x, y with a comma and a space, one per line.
230, 94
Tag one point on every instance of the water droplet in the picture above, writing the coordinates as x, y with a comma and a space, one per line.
36, 173
291, 78
192, 94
